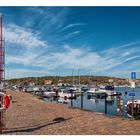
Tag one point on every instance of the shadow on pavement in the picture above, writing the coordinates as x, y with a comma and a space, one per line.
36, 127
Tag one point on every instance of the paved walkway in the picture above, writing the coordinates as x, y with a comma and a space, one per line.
28, 115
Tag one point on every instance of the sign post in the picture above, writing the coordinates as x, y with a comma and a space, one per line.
132, 94
132, 106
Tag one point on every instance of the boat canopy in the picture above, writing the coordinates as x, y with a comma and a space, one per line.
109, 87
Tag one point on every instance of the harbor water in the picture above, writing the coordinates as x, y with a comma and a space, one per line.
98, 105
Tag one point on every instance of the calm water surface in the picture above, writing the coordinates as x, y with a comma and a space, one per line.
98, 105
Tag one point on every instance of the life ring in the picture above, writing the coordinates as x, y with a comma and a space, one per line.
6, 102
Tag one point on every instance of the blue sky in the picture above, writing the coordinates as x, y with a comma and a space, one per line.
57, 40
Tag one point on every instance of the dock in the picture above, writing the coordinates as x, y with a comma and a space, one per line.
28, 115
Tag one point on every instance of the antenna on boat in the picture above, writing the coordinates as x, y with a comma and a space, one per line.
79, 75
73, 77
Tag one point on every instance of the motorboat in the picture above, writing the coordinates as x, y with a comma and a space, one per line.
136, 109
75, 89
49, 94
102, 92
65, 94
94, 93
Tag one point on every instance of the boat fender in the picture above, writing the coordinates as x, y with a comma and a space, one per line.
118, 109
6, 101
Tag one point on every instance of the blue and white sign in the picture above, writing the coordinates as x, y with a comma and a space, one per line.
131, 94
133, 75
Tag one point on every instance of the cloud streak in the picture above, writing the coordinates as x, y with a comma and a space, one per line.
71, 25
69, 35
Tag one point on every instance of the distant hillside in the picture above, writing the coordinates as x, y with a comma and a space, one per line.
68, 79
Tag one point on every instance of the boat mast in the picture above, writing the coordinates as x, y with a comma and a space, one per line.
79, 75
73, 77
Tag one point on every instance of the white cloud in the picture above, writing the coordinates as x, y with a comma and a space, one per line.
19, 73
21, 36
89, 61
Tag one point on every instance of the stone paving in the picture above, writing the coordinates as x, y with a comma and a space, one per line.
28, 115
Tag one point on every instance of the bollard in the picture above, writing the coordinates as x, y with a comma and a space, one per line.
82, 100
105, 103
132, 107
71, 98
125, 92
57, 96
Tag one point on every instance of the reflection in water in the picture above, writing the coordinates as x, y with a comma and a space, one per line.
96, 100
110, 100
120, 105
92, 100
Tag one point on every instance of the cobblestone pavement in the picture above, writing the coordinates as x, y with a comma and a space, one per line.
28, 115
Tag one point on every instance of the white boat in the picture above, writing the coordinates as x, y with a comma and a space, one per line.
101, 93
109, 92
75, 89
102, 87
49, 94
64, 94
35, 88
136, 109
92, 90
94, 93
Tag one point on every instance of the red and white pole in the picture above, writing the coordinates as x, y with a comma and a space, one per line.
1, 53
2, 78
1, 73
4, 99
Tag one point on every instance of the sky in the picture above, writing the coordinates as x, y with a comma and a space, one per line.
44, 41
